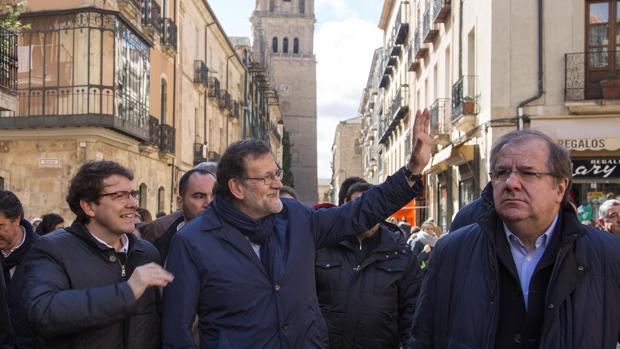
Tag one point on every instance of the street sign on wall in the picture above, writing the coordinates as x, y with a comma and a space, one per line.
604, 168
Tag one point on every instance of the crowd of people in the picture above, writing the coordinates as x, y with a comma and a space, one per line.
244, 264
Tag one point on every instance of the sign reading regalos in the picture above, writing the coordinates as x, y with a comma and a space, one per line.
597, 143
604, 168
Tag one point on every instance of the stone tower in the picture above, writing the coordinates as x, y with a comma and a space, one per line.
283, 42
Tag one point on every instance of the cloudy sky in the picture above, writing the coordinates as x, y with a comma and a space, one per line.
346, 34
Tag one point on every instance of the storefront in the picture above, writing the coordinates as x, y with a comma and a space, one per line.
453, 182
595, 179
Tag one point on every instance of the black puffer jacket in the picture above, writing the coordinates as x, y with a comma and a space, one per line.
368, 304
76, 296
458, 305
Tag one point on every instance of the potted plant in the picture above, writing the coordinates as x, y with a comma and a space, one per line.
610, 86
469, 105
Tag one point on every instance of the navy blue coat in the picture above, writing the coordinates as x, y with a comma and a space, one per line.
219, 276
458, 305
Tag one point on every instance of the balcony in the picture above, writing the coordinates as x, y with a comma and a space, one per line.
201, 74
214, 88
387, 70
8, 69
430, 31
213, 156
236, 108
441, 10
412, 61
401, 24
398, 109
130, 8
584, 72
169, 36
464, 103
154, 132
225, 101
418, 47
394, 50
200, 153
79, 106
151, 20
167, 139
440, 120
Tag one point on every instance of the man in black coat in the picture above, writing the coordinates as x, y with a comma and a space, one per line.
527, 274
367, 287
195, 193
91, 285
16, 239
475, 210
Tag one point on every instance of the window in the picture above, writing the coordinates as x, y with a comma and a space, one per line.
1, 183
285, 45
143, 198
602, 44
163, 100
274, 44
161, 200
296, 46
302, 6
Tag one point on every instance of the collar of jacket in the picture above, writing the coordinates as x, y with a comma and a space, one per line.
568, 270
389, 242
80, 231
570, 227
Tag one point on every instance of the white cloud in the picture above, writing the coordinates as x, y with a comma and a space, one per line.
336, 8
344, 52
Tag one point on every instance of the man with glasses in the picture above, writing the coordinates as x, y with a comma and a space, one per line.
246, 265
93, 284
609, 212
527, 274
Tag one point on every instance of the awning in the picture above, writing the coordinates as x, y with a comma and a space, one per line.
450, 156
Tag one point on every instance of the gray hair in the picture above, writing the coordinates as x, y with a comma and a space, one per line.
209, 166
605, 206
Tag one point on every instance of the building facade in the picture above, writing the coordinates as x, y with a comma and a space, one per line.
485, 69
371, 112
154, 85
283, 42
346, 153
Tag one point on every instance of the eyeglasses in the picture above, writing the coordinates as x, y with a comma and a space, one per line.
611, 217
268, 179
123, 195
502, 175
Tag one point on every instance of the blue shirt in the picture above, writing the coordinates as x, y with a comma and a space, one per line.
525, 260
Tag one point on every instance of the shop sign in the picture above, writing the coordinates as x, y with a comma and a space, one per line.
595, 143
596, 168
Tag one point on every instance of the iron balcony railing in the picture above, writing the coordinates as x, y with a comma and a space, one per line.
169, 36
584, 72
398, 109
199, 153
154, 131
138, 4
464, 97
401, 24
441, 10
441, 116
167, 140
429, 31
225, 101
214, 88
8, 60
201, 73
235, 109
418, 47
152, 15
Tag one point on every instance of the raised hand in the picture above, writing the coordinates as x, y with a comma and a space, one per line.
421, 142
